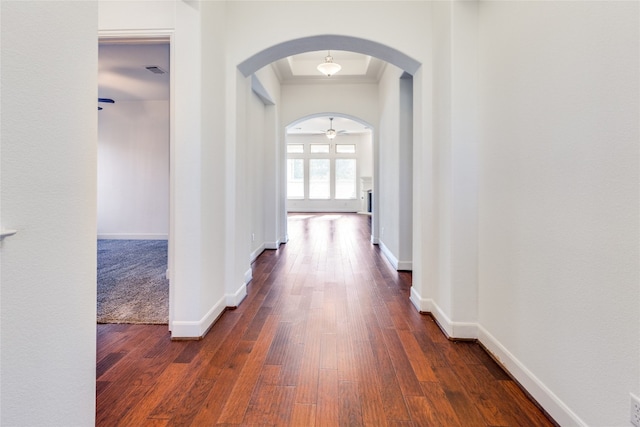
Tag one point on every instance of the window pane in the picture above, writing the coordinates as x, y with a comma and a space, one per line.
295, 148
345, 178
295, 178
319, 148
346, 148
319, 183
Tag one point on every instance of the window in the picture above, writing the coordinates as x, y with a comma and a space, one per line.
319, 148
295, 148
321, 171
345, 178
345, 148
295, 178
319, 179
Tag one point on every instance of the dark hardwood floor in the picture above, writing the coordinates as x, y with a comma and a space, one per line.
327, 336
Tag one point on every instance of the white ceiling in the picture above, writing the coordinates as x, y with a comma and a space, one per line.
122, 76
302, 68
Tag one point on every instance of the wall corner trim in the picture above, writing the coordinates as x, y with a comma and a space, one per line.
254, 255
272, 245
389, 255
234, 299
196, 329
453, 330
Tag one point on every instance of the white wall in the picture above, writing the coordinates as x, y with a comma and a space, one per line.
273, 180
395, 151
198, 166
255, 202
133, 170
303, 100
454, 292
48, 181
559, 208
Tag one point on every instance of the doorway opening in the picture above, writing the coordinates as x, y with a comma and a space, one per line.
133, 178
329, 174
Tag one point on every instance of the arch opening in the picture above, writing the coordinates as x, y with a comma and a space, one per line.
328, 41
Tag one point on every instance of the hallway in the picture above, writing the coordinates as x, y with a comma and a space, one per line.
326, 336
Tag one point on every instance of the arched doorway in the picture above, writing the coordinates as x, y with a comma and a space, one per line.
407, 66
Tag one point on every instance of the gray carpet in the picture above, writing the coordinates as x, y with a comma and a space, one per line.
132, 287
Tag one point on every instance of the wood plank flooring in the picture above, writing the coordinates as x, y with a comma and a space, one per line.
327, 336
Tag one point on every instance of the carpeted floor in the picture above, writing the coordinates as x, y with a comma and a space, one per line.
132, 287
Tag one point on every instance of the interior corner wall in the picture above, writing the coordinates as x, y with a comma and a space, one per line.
440, 292
274, 174
215, 295
559, 205
256, 179
133, 170
388, 192
48, 189
454, 292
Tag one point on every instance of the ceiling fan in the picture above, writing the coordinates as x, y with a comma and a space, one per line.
106, 100
331, 133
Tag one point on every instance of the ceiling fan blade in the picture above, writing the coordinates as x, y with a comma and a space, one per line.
107, 100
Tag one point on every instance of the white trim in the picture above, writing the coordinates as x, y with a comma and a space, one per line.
133, 236
255, 254
234, 300
158, 35
454, 330
405, 265
389, 255
272, 245
150, 36
197, 328
398, 265
422, 305
375, 240
248, 276
555, 407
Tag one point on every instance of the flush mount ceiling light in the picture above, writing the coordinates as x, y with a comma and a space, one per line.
328, 67
331, 133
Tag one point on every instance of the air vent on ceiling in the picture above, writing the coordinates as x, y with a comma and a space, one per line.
155, 69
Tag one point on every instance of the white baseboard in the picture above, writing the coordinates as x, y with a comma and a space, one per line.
272, 245
555, 407
405, 265
390, 256
133, 236
375, 240
234, 299
397, 264
453, 330
198, 328
255, 254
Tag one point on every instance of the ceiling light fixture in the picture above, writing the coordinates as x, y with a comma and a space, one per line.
331, 133
328, 67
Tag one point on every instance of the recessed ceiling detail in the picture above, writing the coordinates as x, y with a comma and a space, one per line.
304, 67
